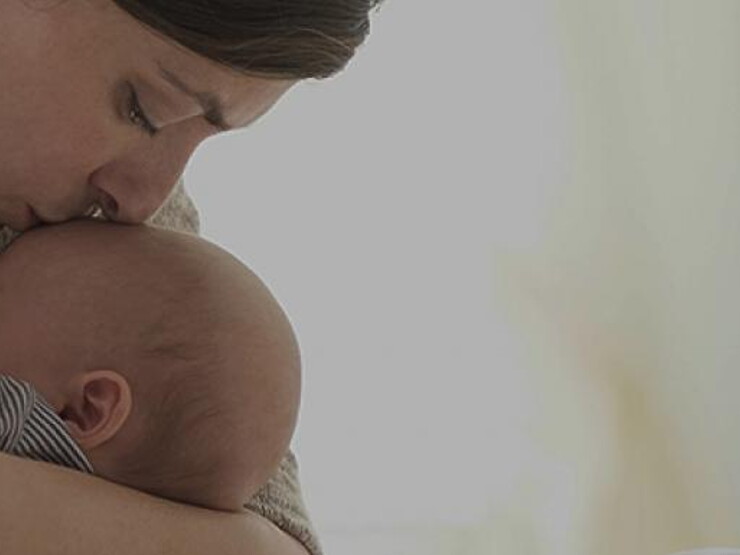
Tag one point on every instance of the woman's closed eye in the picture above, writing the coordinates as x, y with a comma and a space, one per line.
136, 114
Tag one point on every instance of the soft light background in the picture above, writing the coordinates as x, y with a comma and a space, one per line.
507, 237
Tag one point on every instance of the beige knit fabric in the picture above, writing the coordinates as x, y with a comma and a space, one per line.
280, 500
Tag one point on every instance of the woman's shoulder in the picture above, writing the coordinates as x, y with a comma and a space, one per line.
281, 501
178, 212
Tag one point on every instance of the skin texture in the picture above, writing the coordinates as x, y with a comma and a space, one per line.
67, 139
140, 289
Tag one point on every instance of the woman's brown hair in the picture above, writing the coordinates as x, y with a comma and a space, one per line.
292, 39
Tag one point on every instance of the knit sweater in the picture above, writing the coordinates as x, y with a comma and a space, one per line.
280, 500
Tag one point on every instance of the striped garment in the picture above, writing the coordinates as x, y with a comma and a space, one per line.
30, 428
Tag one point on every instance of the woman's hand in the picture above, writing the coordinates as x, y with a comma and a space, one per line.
47, 509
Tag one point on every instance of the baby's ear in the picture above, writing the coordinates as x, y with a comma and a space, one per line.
98, 407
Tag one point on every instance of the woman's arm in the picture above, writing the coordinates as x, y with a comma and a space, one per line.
47, 509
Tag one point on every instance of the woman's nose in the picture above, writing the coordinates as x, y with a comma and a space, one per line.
129, 197
132, 207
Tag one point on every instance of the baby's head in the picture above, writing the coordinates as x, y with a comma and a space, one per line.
172, 365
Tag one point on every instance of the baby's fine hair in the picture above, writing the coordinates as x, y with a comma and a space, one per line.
182, 452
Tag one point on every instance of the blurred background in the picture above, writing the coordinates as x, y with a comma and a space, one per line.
507, 237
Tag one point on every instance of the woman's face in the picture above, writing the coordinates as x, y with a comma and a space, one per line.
68, 137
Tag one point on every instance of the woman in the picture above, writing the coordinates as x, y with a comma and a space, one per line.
102, 103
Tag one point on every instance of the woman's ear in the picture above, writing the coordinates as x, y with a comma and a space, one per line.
98, 407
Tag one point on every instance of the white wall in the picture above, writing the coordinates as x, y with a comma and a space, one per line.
498, 235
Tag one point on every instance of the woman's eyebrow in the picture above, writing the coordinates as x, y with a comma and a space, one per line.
211, 104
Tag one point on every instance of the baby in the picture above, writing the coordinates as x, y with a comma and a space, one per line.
168, 363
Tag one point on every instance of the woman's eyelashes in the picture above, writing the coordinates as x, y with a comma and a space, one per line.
136, 114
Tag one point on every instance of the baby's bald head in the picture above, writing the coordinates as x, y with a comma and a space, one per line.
210, 359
